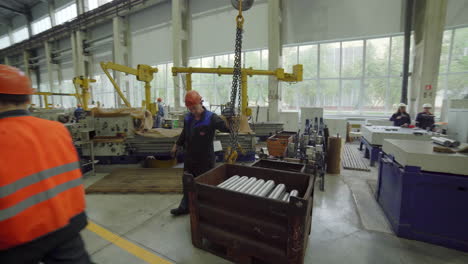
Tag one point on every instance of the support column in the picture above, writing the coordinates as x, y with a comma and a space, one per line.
181, 30
428, 33
274, 56
48, 55
27, 67
82, 60
6, 60
51, 7
80, 7
120, 53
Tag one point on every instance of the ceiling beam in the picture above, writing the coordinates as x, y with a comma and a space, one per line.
18, 11
4, 21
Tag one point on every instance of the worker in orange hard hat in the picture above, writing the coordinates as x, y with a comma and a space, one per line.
159, 117
42, 201
197, 140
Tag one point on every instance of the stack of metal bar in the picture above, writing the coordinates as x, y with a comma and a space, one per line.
140, 145
266, 129
258, 187
247, 141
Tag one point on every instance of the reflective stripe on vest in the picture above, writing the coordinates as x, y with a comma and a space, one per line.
40, 197
35, 178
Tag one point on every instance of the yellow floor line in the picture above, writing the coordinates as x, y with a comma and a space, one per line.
126, 245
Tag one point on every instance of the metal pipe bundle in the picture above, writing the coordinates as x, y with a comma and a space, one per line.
237, 183
228, 181
257, 186
246, 185
265, 188
447, 142
276, 193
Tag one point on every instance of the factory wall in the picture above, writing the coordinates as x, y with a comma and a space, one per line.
213, 27
39, 10
151, 35
18, 21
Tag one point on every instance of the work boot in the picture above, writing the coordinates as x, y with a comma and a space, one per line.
183, 207
179, 211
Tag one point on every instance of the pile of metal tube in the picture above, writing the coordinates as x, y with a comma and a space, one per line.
258, 187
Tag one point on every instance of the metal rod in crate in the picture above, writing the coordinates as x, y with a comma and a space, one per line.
277, 191
285, 197
293, 193
228, 181
232, 183
257, 186
238, 183
247, 185
266, 189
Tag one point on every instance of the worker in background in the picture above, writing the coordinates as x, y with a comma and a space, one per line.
425, 119
159, 117
197, 140
42, 199
79, 112
401, 118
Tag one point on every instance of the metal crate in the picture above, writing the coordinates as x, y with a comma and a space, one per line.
280, 165
250, 229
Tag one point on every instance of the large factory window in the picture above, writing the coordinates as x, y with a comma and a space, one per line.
4, 41
20, 34
453, 75
65, 14
41, 25
92, 4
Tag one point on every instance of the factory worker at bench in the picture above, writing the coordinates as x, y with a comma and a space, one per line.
401, 118
425, 119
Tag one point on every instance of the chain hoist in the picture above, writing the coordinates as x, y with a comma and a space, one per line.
235, 110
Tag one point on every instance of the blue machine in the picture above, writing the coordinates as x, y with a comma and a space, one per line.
371, 152
424, 205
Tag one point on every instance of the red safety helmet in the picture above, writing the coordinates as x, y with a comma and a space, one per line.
14, 81
192, 98
159, 99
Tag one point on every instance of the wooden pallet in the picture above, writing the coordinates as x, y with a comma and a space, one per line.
139, 180
351, 159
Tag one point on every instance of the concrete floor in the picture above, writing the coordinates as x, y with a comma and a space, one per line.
348, 226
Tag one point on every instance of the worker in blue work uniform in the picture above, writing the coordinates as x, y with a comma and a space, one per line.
197, 140
425, 119
160, 115
401, 118
79, 112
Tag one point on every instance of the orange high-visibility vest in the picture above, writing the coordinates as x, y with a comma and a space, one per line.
40, 178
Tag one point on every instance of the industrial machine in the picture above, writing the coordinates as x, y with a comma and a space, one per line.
424, 193
121, 135
143, 73
373, 137
60, 115
310, 147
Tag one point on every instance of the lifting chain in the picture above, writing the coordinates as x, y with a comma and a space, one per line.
234, 121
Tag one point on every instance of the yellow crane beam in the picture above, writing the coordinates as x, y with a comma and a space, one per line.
83, 83
46, 99
143, 73
295, 76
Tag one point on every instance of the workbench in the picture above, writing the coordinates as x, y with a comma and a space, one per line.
373, 137
424, 194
